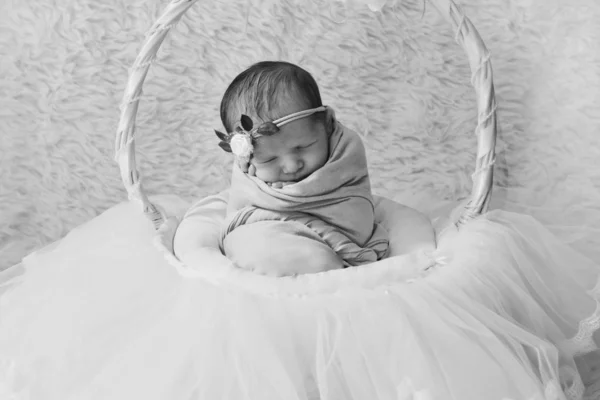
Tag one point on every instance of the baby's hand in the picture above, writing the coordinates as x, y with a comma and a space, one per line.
278, 185
246, 167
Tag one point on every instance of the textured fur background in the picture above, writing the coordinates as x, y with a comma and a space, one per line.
396, 76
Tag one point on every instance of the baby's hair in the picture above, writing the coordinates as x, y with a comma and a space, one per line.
257, 91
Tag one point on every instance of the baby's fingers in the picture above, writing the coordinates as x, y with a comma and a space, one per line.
243, 164
252, 170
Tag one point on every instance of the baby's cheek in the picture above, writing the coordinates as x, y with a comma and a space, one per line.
265, 174
316, 161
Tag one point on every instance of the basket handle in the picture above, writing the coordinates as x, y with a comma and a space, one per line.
125, 141
481, 69
466, 35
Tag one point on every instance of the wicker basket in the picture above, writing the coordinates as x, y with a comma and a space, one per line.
466, 35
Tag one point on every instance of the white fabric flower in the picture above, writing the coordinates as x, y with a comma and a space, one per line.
241, 145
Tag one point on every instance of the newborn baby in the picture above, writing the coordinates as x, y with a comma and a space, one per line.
300, 199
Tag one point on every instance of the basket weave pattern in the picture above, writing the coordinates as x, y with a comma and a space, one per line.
465, 34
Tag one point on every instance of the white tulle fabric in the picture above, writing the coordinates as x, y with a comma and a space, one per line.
102, 315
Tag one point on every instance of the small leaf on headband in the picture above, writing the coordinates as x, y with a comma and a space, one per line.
267, 129
221, 135
225, 146
246, 123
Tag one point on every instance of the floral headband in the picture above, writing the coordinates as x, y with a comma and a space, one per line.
239, 142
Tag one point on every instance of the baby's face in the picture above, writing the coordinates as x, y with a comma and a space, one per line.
296, 151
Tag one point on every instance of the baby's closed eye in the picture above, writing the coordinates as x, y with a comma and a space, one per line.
308, 145
266, 161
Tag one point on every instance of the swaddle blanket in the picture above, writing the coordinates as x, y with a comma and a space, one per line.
333, 207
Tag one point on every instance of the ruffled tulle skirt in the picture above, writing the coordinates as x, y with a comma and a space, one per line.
503, 312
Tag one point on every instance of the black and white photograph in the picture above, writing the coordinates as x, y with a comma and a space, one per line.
300, 200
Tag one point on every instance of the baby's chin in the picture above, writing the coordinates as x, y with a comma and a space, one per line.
285, 179
295, 179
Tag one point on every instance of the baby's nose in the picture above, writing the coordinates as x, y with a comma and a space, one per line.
292, 166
